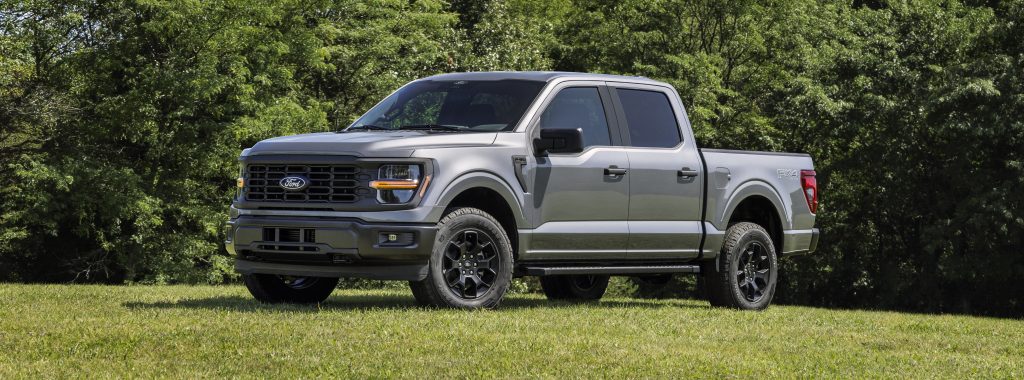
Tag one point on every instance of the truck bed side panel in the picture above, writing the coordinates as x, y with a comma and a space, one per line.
734, 176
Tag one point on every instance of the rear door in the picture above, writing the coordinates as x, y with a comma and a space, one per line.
580, 208
665, 176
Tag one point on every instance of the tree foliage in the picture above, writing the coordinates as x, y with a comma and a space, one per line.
120, 121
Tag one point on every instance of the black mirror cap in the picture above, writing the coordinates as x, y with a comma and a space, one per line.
559, 141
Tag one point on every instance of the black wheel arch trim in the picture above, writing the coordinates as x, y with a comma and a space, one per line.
490, 181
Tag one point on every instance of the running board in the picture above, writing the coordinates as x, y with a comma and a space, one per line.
613, 270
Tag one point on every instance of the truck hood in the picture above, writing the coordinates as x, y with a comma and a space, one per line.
369, 143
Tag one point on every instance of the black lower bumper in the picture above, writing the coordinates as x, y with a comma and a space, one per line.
404, 272
814, 240
328, 247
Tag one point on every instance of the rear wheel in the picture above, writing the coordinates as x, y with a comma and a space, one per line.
574, 287
746, 271
269, 288
471, 263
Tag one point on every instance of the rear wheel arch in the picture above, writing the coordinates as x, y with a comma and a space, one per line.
756, 202
760, 210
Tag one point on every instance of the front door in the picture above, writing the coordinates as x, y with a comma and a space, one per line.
580, 201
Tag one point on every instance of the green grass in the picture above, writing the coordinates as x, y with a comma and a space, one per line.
215, 331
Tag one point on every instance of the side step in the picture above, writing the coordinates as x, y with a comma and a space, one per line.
613, 270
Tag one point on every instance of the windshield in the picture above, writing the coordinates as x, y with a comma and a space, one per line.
485, 106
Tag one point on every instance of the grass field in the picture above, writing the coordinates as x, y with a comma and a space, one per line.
214, 331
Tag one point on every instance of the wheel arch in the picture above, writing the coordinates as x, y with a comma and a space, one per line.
762, 211
759, 203
491, 194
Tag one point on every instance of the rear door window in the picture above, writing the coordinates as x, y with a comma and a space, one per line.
649, 118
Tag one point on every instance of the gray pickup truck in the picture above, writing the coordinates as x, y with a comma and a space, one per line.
458, 183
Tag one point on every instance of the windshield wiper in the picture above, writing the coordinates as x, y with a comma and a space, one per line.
369, 127
433, 127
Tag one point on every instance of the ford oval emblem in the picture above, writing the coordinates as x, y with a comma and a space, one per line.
294, 183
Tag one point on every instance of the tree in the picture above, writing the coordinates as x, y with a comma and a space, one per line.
121, 121
134, 186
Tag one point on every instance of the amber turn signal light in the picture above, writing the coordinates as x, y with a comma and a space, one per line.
395, 184
240, 182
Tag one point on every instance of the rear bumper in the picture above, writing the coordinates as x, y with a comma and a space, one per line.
798, 242
329, 247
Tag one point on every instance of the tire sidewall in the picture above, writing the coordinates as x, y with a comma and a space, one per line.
752, 235
494, 231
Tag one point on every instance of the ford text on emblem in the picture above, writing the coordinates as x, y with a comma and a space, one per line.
294, 183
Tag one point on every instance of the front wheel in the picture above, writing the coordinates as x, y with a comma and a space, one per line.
745, 273
269, 288
471, 263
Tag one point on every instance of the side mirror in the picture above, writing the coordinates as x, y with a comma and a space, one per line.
558, 141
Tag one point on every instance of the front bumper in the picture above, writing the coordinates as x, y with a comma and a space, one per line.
329, 247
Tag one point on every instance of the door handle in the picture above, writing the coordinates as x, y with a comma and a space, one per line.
687, 173
613, 171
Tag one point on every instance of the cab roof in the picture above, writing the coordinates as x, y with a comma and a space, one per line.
540, 76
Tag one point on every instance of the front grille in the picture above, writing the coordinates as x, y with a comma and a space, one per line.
289, 235
328, 183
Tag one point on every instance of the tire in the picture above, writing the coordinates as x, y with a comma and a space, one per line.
269, 288
574, 287
470, 265
731, 282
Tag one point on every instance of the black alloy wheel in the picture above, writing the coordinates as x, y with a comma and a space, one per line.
299, 283
470, 264
753, 271
585, 282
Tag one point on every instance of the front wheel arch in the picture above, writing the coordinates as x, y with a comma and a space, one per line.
482, 180
487, 192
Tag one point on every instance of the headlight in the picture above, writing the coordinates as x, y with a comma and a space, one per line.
396, 183
240, 181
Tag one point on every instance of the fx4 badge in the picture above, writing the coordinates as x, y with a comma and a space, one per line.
787, 173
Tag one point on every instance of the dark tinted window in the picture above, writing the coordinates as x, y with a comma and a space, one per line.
578, 107
650, 118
